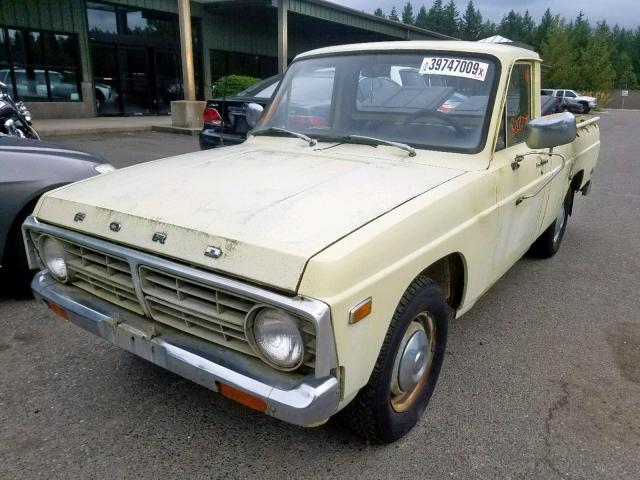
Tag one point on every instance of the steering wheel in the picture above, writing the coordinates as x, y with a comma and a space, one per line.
446, 118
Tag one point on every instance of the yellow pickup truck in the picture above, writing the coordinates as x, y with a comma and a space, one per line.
314, 269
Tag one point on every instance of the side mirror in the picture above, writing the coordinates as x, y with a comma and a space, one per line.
254, 112
551, 131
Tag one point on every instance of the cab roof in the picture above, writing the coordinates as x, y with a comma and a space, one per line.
504, 53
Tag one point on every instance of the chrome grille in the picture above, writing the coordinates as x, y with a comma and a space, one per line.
184, 304
104, 275
204, 311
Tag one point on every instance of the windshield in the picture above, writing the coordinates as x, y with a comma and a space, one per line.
263, 89
426, 100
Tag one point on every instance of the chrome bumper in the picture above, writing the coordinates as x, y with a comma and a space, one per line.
299, 400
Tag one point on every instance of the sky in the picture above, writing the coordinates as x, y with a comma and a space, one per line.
625, 13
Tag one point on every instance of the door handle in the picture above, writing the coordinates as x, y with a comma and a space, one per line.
553, 175
542, 162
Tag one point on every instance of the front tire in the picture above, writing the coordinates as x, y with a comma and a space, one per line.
407, 368
548, 243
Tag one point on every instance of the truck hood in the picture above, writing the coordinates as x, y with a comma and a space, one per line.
268, 210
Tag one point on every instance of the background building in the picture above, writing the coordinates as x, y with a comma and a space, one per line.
80, 58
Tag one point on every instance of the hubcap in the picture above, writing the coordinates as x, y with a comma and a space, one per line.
560, 219
413, 362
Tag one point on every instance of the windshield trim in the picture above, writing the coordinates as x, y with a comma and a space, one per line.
490, 103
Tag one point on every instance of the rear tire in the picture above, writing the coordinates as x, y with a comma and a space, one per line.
391, 403
548, 243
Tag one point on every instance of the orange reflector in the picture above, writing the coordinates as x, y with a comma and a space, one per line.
58, 310
243, 398
360, 311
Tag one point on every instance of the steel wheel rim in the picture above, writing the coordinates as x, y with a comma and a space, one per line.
559, 225
422, 324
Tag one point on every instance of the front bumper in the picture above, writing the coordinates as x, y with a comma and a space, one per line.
304, 401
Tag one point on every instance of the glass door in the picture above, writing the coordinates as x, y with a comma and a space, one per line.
106, 79
168, 80
134, 74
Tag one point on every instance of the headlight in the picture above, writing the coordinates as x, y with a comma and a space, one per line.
54, 257
104, 168
277, 337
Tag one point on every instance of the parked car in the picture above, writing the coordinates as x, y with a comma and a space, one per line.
225, 118
314, 269
573, 101
30, 168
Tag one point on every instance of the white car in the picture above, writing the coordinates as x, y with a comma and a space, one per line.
572, 97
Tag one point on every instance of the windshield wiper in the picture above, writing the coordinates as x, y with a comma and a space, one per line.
380, 141
284, 131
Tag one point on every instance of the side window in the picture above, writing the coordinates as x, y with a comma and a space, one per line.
518, 108
570, 94
559, 94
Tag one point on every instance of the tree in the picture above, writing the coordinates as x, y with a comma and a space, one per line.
407, 14
625, 75
489, 29
379, 13
580, 31
450, 19
597, 72
558, 58
546, 22
422, 19
471, 23
393, 15
434, 16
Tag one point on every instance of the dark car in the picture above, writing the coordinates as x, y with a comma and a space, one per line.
28, 168
225, 119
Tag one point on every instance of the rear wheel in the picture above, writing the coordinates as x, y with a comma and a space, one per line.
407, 368
548, 243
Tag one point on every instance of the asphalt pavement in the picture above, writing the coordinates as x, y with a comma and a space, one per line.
541, 378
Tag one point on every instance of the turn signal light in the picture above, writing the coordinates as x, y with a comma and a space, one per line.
242, 397
361, 311
211, 116
58, 310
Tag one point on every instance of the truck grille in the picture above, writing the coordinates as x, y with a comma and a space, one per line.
196, 308
104, 275
190, 306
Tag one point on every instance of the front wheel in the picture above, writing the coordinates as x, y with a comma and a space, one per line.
548, 243
407, 368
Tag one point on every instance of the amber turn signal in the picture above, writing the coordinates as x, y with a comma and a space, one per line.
360, 311
58, 310
243, 398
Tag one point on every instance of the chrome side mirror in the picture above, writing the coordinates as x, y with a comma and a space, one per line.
254, 112
551, 131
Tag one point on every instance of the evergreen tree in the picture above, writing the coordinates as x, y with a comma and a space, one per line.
450, 19
471, 23
489, 29
407, 14
580, 31
558, 59
512, 26
546, 22
422, 19
625, 75
394, 14
434, 16
379, 13
597, 72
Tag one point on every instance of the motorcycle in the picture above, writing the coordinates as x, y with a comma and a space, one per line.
15, 118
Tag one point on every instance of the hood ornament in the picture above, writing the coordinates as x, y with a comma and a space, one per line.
213, 252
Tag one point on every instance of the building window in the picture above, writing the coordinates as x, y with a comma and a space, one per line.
102, 18
40, 66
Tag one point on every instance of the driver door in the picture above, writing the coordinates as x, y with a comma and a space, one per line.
520, 220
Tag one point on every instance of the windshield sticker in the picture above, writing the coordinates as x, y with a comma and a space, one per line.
454, 67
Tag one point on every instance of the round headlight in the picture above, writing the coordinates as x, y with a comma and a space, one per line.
54, 257
278, 338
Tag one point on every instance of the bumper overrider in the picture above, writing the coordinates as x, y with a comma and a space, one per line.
305, 400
